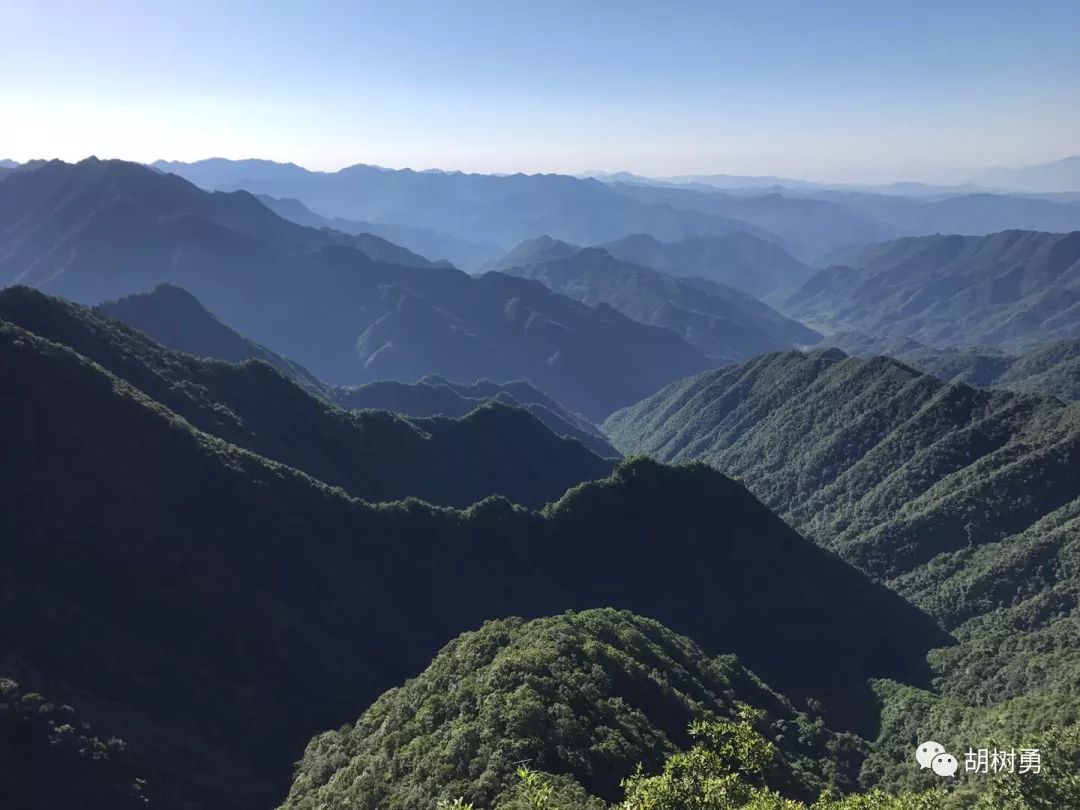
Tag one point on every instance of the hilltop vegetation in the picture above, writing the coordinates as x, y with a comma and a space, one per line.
581, 710
585, 696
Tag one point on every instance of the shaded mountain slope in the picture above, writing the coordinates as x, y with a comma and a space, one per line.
435, 396
740, 260
1005, 290
504, 328
51, 758
1049, 369
723, 323
587, 695
174, 318
372, 455
344, 316
219, 609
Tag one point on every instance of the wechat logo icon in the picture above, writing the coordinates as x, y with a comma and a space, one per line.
934, 756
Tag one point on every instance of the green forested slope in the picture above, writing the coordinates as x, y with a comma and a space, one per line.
1008, 290
588, 696
374, 455
965, 501
888, 466
231, 606
1049, 369
596, 704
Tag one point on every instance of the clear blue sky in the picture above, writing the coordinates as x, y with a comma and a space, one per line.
861, 89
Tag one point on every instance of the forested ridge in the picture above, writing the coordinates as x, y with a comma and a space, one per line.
293, 516
965, 501
236, 605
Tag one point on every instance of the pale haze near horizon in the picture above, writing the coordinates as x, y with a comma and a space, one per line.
840, 91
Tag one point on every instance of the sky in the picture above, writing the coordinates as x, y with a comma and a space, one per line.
854, 91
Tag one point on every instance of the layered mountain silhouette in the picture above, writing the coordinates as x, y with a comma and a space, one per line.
62, 221
612, 690
177, 320
478, 208
807, 227
435, 396
817, 223
723, 323
101, 230
1006, 290
460, 252
216, 608
1060, 175
739, 260
374, 455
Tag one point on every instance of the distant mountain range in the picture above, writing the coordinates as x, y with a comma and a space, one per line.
1060, 175
477, 208
210, 605
102, 230
459, 252
1005, 290
815, 225
811, 221
1057, 176
723, 323
741, 260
